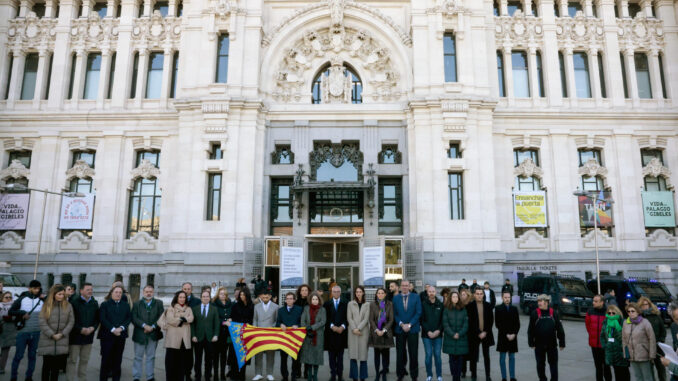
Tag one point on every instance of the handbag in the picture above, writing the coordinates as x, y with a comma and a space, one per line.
20, 322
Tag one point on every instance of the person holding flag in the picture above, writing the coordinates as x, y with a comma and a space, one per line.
242, 312
289, 316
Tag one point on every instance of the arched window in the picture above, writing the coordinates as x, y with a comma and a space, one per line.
356, 84
144, 208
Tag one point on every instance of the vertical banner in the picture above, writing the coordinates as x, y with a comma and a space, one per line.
291, 266
373, 266
77, 212
658, 209
586, 212
529, 209
14, 210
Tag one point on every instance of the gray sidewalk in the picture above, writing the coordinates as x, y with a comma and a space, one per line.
575, 362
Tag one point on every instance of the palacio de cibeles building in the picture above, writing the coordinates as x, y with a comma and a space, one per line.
209, 140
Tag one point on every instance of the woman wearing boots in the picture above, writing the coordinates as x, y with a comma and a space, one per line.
381, 335
455, 327
313, 318
358, 315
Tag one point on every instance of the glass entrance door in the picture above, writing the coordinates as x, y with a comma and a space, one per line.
333, 262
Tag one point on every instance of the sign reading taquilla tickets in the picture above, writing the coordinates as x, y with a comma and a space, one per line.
658, 209
529, 209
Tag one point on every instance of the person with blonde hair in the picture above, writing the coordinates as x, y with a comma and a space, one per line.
56, 321
652, 314
223, 304
639, 343
611, 343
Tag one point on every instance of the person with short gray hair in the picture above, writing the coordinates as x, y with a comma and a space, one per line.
336, 338
145, 315
545, 334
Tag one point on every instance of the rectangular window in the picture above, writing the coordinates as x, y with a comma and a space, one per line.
9, 75
390, 207
601, 74
581, 74
214, 197
23, 156
111, 76
661, 74
101, 9
154, 78
513, 6
49, 76
456, 196
86, 156
135, 73
454, 152
449, 45
588, 154
72, 80
623, 69
573, 7
563, 78
540, 75
162, 6
152, 156
519, 155
30, 76
175, 74
222, 59
643, 76
216, 153
649, 154
92, 76
656, 184
500, 74
281, 206
521, 76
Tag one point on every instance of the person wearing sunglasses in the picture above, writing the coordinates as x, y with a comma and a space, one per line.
611, 343
640, 346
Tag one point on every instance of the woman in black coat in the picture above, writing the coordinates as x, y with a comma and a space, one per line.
508, 324
242, 312
224, 306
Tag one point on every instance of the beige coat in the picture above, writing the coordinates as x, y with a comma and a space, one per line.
640, 341
358, 318
61, 320
175, 334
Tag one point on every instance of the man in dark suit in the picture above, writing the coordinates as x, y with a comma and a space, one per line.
508, 324
489, 294
480, 321
473, 286
204, 333
289, 316
336, 339
407, 311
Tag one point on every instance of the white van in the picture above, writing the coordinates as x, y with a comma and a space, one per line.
13, 284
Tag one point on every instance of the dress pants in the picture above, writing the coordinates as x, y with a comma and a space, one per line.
475, 356
51, 365
176, 360
540, 355
407, 343
203, 347
220, 357
336, 363
622, 373
78, 358
383, 355
111, 357
603, 372
296, 366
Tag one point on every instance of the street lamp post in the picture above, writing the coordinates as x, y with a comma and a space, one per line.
21, 187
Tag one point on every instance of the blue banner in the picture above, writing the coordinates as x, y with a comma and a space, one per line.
236, 338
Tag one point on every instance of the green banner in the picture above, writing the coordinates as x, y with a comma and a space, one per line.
658, 209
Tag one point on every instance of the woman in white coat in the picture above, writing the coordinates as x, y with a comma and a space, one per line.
358, 315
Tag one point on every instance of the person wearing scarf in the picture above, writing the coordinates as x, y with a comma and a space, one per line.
639, 343
8, 334
313, 318
176, 321
381, 333
611, 343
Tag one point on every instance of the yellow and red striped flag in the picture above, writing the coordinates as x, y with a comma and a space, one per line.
258, 339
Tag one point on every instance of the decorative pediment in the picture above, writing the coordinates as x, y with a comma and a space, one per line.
141, 241
640, 33
75, 241
145, 170
531, 240
156, 32
660, 238
447, 7
81, 170
579, 32
592, 169
31, 33
94, 32
518, 31
11, 241
528, 168
336, 154
604, 240
655, 168
15, 170
389, 154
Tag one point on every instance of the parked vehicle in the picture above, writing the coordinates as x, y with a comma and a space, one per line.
633, 288
12, 283
569, 294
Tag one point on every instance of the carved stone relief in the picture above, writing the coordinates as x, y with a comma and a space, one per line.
519, 31
75, 241
31, 33
604, 241
156, 32
580, 32
640, 33
94, 32
141, 241
145, 170
11, 241
528, 168
531, 240
15, 170
592, 169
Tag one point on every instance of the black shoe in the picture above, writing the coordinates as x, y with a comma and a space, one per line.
333, 378
151, 379
513, 379
503, 379
136, 379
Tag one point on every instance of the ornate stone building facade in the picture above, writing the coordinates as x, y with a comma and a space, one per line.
215, 132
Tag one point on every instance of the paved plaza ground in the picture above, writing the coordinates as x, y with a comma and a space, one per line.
575, 361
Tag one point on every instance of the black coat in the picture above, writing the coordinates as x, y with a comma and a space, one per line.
224, 310
493, 298
86, 315
474, 329
241, 313
507, 288
507, 322
291, 318
333, 340
193, 301
545, 332
114, 315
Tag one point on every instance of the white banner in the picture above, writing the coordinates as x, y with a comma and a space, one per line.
373, 266
77, 212
14, 210
291, 266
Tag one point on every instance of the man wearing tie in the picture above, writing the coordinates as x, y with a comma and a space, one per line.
407, 311
336, 339
204, 332
265, 315
289, 316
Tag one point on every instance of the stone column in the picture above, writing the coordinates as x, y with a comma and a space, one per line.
25, 7
527, 6
549, 55
148, 8
623, 6
503, 8
588, 8
104, 75
172, 9
508, 74
50, 8
124, 59
142, 72
111, 8
569, 76
41, 78
168, 59
646, 6
655, 75
563, 8
665, 9
592, 55
79, 76
87, 6
533, 74
17, 77
4, 71
631, 79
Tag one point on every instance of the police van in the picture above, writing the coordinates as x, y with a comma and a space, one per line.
632, 289
569, 294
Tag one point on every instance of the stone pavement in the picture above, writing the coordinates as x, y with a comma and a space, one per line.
575, 361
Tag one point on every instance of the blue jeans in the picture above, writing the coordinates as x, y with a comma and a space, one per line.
139, 351
24, 339
512, 364
353, 371
432, 348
